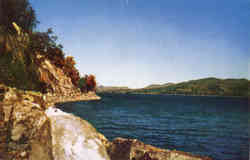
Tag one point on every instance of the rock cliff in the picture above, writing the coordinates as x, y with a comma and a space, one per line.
55, 78
27, 68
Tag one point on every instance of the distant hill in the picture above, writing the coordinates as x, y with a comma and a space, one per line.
206, 86
111, 89
158, 85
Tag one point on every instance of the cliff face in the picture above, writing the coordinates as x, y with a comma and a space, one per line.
25, 69
54, 78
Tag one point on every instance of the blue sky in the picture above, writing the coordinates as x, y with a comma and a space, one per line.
137, 42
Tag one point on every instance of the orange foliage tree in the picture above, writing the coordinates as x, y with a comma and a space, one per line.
91, 83
87, 83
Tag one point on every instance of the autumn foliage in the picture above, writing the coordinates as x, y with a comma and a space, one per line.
88, 83
91, 83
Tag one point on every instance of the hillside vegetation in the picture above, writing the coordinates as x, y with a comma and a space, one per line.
33, 60
206, 86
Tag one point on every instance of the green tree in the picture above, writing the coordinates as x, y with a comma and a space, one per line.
82, 83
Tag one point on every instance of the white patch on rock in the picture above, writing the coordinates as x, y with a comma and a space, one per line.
73, 139
55, 112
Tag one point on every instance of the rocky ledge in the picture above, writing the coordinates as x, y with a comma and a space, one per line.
133, 149
29, 129
52, 100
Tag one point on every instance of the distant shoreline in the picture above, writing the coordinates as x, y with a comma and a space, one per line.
201, 87
175, 95
195, 95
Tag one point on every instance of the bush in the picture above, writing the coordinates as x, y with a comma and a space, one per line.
87, 83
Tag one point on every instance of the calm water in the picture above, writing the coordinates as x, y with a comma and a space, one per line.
210, 126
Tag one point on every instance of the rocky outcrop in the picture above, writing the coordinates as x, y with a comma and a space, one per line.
54, 78
26, 68
24, 127
60, 99
132, 149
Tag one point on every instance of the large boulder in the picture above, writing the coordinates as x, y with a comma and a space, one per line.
74, 138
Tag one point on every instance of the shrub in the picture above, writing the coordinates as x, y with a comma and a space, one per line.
91, 83
87, 83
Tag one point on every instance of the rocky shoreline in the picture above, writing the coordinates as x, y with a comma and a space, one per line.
52, 100
32, 128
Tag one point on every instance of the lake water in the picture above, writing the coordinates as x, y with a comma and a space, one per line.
211, 126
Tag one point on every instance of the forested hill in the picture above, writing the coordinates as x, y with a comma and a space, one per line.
206, 86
